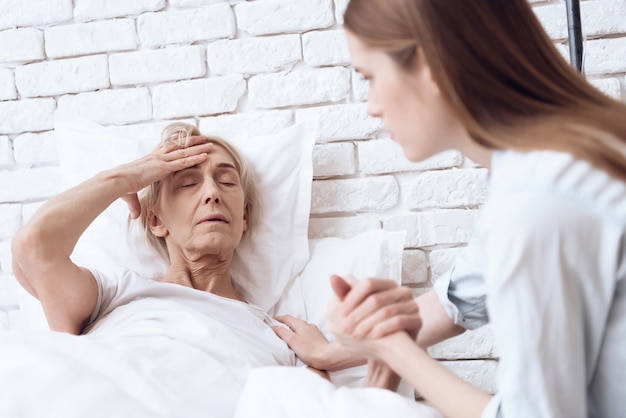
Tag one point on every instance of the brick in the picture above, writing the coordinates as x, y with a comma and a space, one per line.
15, 13
609, 86
360, 87
28, 209
325, 48
385, 156
198, 97
6, 151
28, 115
299, 87
254, 55
414, 268
29, 184
437, 227
352, 195
5, 257
476, 344
605, 56
145, 130
186, 26
445, 189
157, 65
109, 106
9, 297
7, 84
72, 75
258, 123
340, 9
90, 38
480, 373
340, 122
553, 17
265, 17
564, 51
334, 160
195, 3
21, 45
603, 17
346, 227
103, 9
442, 260
38, 148
10, 219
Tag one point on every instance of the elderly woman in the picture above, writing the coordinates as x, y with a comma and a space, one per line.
187, 341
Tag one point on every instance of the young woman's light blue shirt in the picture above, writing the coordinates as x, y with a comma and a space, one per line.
546, 267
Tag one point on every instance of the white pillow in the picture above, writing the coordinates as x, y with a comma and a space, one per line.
263, 266
375, 253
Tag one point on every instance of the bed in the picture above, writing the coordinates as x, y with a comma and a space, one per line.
132, 372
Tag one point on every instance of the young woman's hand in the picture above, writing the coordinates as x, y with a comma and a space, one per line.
372, 308
163, 160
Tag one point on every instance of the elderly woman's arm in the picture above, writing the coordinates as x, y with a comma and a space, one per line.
41, 249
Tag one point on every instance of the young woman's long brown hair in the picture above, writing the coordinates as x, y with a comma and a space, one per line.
501, 73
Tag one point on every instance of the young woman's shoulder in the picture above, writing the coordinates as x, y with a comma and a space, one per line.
555, 181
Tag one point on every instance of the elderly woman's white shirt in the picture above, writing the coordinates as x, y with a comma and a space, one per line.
546, 268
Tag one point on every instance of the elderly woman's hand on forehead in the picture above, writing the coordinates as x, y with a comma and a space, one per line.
165, 159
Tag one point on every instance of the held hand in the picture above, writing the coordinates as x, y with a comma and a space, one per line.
372, 308
306, 340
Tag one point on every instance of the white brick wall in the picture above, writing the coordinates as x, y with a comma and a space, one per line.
254, 55
72, 75
89, 38
258, 66
157, 65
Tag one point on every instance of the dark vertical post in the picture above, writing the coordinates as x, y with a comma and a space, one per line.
575, 35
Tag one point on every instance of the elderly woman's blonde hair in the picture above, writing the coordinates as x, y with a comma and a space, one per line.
179, 134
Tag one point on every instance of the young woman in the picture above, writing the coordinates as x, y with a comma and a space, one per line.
547, 263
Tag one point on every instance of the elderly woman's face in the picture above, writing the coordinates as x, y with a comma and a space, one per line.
202, 208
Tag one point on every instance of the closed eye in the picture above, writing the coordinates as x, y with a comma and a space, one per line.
227, 179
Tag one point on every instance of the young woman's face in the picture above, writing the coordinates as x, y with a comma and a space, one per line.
202, 208
408, 101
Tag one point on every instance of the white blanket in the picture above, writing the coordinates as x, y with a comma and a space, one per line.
175, 363
306, 395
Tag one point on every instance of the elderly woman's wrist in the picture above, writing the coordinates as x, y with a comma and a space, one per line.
334, 357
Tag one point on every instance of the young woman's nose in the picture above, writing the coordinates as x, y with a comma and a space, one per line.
372, 108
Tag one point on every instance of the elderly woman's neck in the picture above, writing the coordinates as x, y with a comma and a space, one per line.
211, 276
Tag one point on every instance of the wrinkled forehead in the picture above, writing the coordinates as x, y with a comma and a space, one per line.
220, 154
219, 158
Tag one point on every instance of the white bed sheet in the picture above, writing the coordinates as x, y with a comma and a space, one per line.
45, 374
156, 359
305, 395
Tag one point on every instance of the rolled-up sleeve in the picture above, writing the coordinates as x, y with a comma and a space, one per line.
462, 290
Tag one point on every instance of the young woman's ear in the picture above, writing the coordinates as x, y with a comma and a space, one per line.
157, 227
423, 72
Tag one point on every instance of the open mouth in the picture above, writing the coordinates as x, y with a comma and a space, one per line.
214, 219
